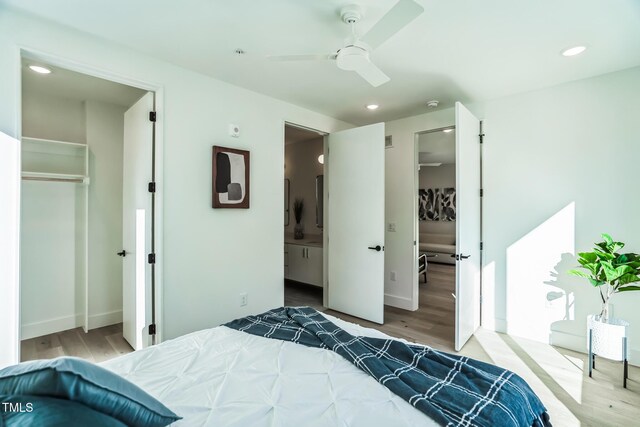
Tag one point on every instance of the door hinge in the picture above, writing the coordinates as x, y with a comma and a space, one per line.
481, 138
152, 116
152, 187
152, 329
481, 192
481, 245
151, 258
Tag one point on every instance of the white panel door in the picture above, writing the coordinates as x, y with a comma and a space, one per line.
9, 250
467, 225
136, 222
354, 177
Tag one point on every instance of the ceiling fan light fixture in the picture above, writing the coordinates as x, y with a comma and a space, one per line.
573, 51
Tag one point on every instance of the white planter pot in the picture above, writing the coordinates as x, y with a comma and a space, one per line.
608, 338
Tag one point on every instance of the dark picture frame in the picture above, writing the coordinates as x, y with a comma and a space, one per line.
230, 178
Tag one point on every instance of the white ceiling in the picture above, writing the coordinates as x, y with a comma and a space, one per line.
456, 51
437, 147
81, 87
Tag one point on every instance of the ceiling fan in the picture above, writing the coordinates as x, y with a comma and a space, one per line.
355, 55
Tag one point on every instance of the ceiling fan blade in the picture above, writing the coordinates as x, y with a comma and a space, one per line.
302, 57
393, 21
373, 75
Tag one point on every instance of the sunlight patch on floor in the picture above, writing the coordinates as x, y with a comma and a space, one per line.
507, 358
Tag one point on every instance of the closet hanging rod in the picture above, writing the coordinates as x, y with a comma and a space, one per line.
69, 180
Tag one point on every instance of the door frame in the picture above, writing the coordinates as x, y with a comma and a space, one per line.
416, 206
23, 52
325, 223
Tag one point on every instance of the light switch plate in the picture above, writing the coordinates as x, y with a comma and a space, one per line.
392, 227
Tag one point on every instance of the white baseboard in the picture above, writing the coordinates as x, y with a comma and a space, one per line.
59, 324
399, 302
105, 319
50, 326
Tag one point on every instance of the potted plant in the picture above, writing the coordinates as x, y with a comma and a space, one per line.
611, 272
298, 208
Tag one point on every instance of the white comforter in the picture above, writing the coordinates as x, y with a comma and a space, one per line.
223, 377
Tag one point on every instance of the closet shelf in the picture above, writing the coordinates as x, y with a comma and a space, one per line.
56, 177
52, 141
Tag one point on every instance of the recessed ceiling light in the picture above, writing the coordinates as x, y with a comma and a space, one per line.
573, 51
373, 107
447, 130
321, 159
39, 69
431, 164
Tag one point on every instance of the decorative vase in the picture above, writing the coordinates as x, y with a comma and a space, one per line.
607, 337
298, 232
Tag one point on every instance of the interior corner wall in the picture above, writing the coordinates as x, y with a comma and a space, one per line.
48, 224
443, 176
105, 134
205, 250
401, 203
560, 167
302, 168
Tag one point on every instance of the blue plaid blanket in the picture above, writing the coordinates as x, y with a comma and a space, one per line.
452, 390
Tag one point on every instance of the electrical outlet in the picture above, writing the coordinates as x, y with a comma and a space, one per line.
244, 299
392, 227
392, 276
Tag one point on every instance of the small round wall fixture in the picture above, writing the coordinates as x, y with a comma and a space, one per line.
372, 107
573, 51
321, 159
39, 69
433, 103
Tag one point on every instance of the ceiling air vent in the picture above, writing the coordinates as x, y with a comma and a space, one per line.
388, 143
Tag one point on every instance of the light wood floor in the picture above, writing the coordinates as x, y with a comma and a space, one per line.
559, 376
96, 346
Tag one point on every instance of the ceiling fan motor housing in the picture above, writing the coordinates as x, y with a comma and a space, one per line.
352, 58
351, 14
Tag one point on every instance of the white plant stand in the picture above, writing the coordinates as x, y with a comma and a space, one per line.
608, 340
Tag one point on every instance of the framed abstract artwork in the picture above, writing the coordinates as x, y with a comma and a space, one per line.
230, 178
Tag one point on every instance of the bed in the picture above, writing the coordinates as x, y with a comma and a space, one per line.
232, 376
224, 377
290, 366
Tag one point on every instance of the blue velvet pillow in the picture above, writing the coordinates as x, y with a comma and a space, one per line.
83, 382
40, 411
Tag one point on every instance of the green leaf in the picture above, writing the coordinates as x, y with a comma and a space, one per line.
610, 273
629, 278
607, 238
604, 255
615, 247
579, 273
628, 288
595, 282
587, 257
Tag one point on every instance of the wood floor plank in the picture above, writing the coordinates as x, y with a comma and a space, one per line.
98, 346
73, 345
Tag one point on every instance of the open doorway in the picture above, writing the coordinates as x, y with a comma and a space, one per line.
437, 229
78, 150
303, 216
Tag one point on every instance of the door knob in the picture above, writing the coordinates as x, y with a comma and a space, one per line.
122, 254
377, 248
459, 257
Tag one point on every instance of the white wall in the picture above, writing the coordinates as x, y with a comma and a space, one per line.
105, 132
48, 253
52, 117
443, 176
9, 247
401, 205
302, 168
48, 258
560, 168
204, 262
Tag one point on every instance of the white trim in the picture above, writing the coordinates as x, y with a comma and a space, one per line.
51, 326
105, 319
399, 302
